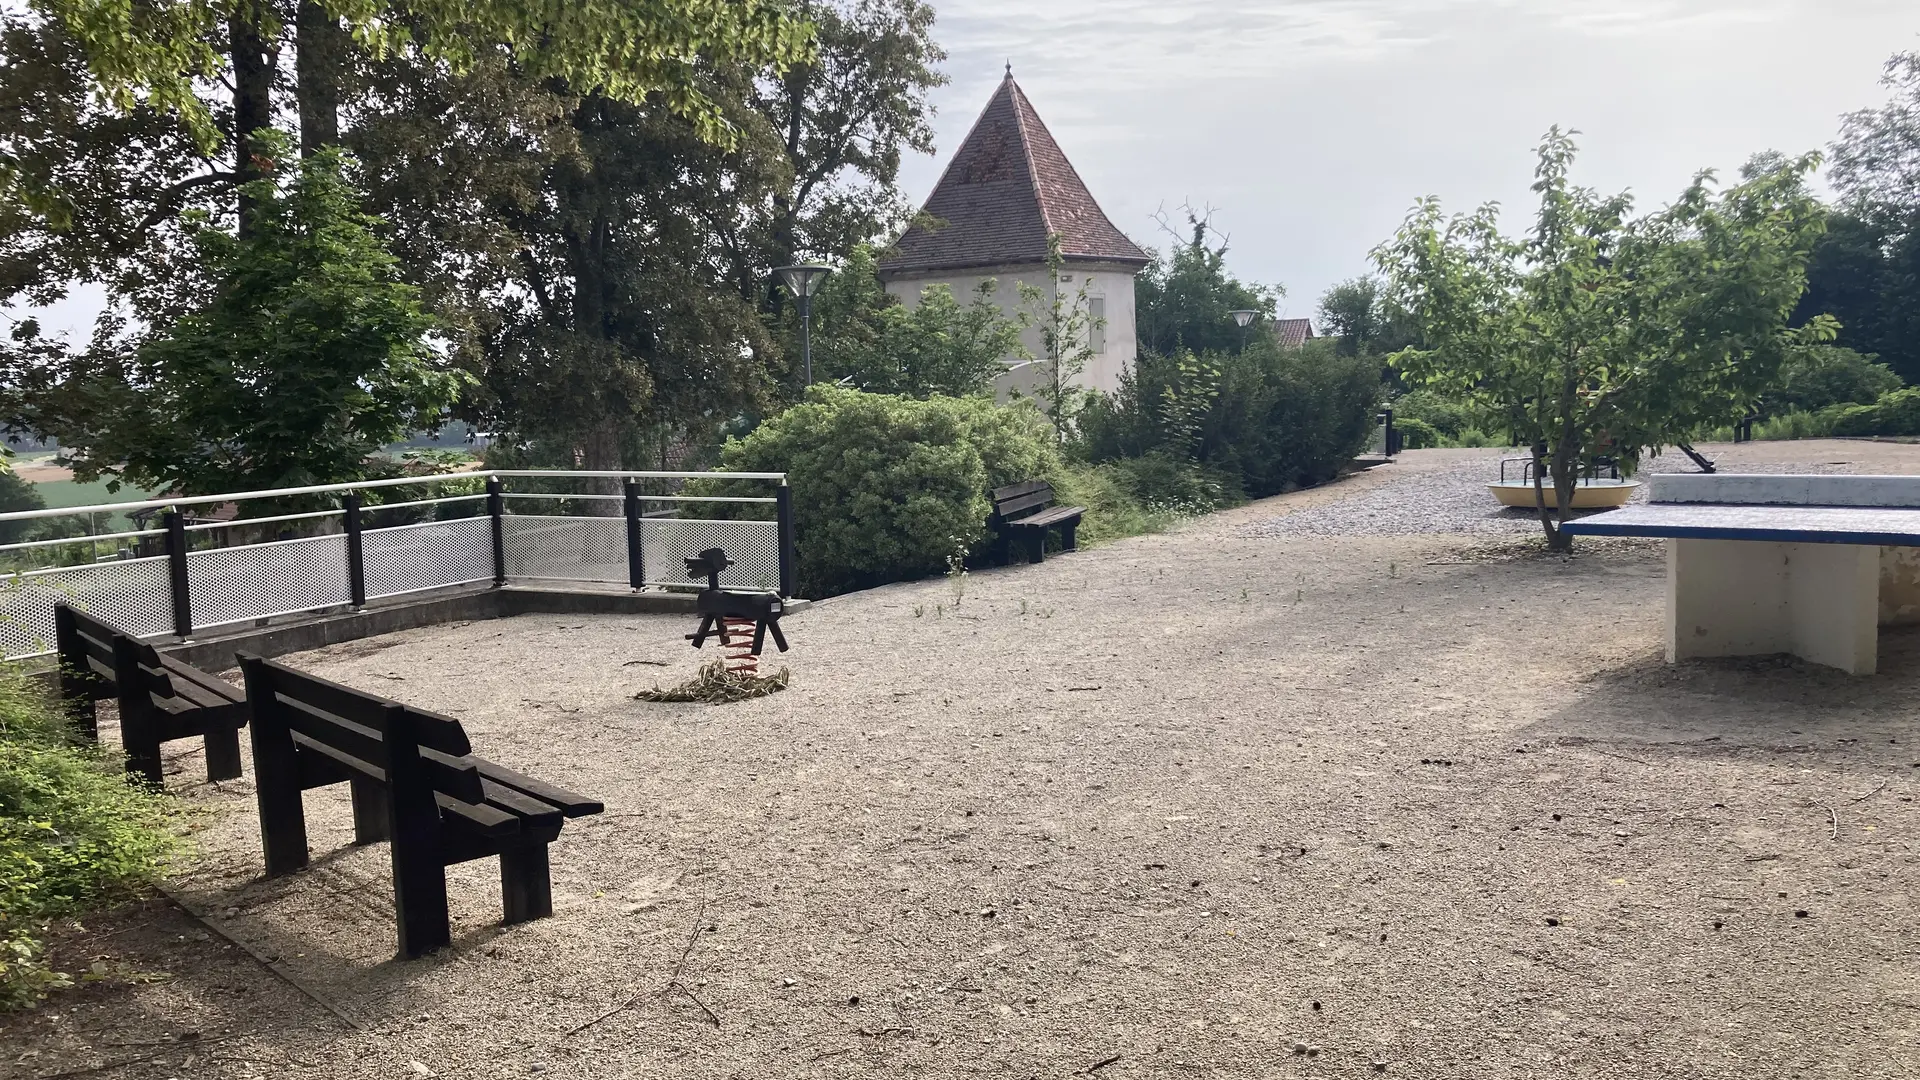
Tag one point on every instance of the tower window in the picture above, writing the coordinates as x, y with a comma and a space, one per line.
1097, 323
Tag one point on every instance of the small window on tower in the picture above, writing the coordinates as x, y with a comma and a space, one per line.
1097, 323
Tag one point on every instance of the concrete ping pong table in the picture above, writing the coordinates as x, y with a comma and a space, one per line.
1762, 564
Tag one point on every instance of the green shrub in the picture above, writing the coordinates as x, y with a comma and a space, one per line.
1817, 376
74, 833
1277, 419
1897, 413
1416, 434
887, 488
1443, 414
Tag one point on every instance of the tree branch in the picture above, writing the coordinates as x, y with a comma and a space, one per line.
168, 198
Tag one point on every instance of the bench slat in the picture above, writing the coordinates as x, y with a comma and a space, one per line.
1014, 507
531, 811
569, 803
476, 817
354, 740
1052, 517
321, 765
214, 685
1024, 487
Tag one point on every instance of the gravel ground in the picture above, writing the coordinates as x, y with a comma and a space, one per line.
1428, 492
1216, 803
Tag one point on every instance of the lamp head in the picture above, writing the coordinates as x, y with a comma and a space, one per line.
1243, 317
803, 281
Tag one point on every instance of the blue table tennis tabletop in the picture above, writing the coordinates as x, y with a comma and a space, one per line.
1888, 526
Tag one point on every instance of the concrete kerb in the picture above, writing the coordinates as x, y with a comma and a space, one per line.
214, 650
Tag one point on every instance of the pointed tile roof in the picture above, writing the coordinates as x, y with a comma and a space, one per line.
1007, 188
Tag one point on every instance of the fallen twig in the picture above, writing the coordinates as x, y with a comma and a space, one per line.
1833, 820
673, 981
1098, 1065
1872, 793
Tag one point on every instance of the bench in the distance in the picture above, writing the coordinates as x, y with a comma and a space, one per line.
161, 699
414, 784
1024, 512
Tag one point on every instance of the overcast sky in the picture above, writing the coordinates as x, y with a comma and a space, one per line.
1310, 126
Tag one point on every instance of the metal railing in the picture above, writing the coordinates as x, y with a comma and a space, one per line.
195, 573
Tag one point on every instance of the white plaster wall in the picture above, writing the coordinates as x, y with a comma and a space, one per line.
1115, 287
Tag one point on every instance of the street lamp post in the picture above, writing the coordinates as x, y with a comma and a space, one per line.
1242, 318
803, 282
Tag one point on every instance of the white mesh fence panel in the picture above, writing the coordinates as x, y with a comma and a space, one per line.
754, 547
257, 580
411, 558
130, 593
565, 548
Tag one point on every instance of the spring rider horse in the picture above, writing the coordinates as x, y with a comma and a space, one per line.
741, 620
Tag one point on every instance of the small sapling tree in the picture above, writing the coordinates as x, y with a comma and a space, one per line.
1603, 333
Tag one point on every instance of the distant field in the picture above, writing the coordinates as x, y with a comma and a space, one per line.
74, 493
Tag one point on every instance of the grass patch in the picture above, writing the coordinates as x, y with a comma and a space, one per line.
75, 834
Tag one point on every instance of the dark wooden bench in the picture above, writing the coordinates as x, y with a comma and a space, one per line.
1024, 512
161, 699
414, 783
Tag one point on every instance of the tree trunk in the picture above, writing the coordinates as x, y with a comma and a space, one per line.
1547, 521
252, 101
320, 48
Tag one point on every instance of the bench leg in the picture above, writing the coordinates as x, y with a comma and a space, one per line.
141, 743
223, 754
370, 812
1068, 541
419, 895
1036, 545
526, 883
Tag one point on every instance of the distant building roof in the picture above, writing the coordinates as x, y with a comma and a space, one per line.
1007, 188
1293, 333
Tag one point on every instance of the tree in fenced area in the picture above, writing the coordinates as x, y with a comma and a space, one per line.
308, 355
1600, 333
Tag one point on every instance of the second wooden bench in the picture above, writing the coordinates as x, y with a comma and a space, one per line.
414, 784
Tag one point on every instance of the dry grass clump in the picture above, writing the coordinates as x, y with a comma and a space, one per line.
713, 684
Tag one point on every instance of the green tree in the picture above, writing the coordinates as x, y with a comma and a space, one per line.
1067, 325
308, 355
1601, 333
1866, 270
844, 117
939, 346
1183, 300
1355, 314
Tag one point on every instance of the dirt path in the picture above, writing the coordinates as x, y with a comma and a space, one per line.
1179, 806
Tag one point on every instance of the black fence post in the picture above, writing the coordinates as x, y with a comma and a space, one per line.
636, 558
176, 527
783, 506
356, 554
497, 510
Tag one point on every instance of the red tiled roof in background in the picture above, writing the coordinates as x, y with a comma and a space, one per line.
1007, 188
1293, 333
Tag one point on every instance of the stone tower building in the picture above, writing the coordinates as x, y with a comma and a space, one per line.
1007, 189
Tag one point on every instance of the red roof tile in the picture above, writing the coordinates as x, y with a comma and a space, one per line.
1007, 188
1293, 333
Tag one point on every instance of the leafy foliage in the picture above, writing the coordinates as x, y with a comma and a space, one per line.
307, 355
1895, 413
1182, 300
1355, 313
74, 833
885, 487
1067, 324
160, 52
1276, 419
1816, 376
1600, 333
936, 347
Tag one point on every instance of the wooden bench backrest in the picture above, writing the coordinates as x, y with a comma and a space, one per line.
80, 635
362, 733
1026, 497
